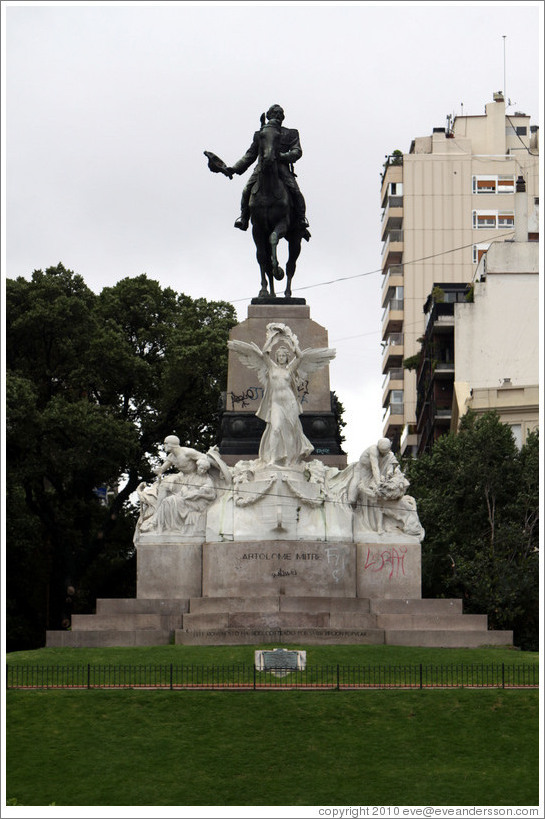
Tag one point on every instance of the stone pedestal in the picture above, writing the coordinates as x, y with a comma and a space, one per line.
280, 592
377, 569
273, 568
168, 570
389, 568
240, 428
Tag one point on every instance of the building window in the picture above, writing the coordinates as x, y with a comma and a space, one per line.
516, 130
479, 251
516, 429
484, 219
484, 184
488, 219
493, 184
506, 184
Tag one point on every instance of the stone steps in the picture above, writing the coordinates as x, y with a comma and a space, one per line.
126, 622
210, 605
430, 638
279, 619
330, 620
108, 638
141, 605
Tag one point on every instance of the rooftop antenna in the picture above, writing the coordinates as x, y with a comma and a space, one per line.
504, 84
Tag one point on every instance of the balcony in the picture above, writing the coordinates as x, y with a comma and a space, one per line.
393, 380
393, 423
442, 414
393, 248
396, 375
393, 414
444, 369
393, 172
392, 216
392, 356
408, 442
392, 317
393, 277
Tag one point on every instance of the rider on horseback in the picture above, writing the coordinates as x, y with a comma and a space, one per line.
290, 152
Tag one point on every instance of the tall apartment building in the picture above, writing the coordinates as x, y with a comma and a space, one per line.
444, 203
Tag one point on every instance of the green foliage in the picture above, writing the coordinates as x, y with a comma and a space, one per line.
396, 157
413, 361
478, 501
338, 411
94, 383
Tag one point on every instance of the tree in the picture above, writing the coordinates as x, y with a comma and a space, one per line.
94, 384
478, 501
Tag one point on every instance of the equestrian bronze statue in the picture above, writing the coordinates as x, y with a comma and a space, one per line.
271, 200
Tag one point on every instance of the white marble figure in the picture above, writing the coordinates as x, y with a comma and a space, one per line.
183, 508
178, 501
283, 442
198, 497
377, 492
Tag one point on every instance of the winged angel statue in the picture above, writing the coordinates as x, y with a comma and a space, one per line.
282, 374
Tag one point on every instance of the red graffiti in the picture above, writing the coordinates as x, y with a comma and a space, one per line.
389, 557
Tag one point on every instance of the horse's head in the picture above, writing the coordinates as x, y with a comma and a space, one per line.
269, 143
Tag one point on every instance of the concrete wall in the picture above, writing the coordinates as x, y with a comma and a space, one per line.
497, 336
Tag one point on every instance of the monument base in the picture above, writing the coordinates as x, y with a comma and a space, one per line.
280, 592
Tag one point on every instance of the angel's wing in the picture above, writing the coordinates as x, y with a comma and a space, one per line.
252, 357
313, 359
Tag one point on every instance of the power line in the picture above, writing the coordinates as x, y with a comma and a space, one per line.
280, 495
379, 269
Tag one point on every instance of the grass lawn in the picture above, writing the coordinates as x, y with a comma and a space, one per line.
183, 748
131, 747
316, 655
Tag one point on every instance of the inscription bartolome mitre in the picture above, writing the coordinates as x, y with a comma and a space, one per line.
282, 556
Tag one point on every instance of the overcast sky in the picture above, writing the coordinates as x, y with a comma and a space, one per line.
109, 108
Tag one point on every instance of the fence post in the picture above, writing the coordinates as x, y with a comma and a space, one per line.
254, 678
420, 675
503, 675
88, 675
338, 679
171, 676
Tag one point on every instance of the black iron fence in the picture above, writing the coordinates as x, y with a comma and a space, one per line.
242, 676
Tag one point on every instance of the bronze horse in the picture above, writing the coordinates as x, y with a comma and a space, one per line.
272, 214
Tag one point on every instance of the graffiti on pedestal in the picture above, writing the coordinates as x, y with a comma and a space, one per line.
392, 560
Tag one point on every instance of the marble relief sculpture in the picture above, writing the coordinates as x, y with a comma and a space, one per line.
283, 493
281, 374
186, 485
377, 493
